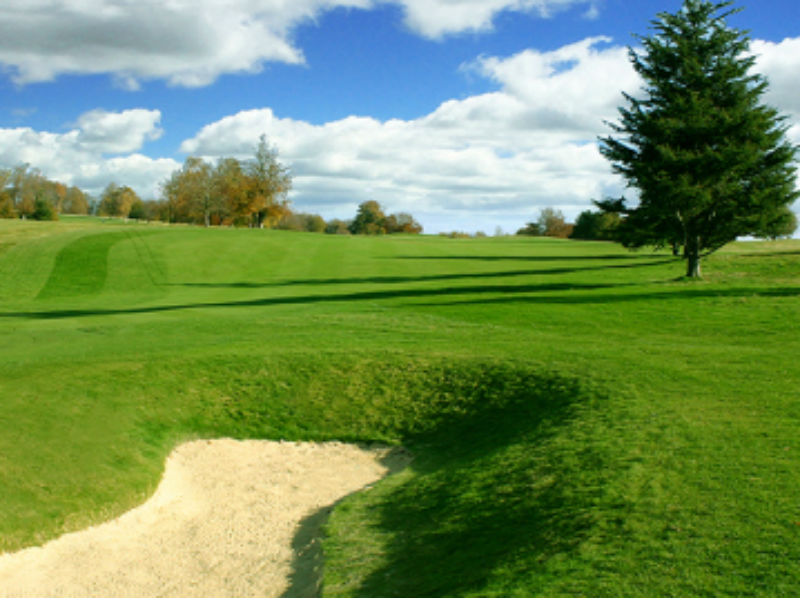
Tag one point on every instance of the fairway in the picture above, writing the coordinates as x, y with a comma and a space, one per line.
583, 422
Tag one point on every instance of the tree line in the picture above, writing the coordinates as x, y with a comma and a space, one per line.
590, 225
27, 194
709, 161
609, 223
232, 192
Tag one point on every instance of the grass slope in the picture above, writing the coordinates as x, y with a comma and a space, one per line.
583, 423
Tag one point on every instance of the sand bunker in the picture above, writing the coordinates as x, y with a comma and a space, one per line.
223, 522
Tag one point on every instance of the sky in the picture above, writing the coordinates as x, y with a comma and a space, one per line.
471, 115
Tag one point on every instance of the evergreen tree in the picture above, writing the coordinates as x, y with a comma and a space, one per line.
711, 162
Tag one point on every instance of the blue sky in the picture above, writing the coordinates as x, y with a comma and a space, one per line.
470, 114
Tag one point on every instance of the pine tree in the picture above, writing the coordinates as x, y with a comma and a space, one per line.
710, 162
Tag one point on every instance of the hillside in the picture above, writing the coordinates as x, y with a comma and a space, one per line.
583, 422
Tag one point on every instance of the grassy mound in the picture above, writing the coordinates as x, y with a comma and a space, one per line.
582, 421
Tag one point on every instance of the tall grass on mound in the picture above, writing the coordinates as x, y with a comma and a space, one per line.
505, 478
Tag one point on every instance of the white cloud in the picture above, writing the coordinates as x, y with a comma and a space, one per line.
109, 132
142, 173
183, 41
780, 62
592, 13
191, 43
473, 163
80, 156
528, 145
437, 18
574, 87
498, 156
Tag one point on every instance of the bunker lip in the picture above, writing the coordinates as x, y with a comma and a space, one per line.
221, 523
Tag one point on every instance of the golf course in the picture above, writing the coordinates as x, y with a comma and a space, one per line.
582, 420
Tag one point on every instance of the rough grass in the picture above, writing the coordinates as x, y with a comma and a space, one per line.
583, 422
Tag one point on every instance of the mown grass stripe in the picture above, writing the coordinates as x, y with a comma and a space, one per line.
81, 267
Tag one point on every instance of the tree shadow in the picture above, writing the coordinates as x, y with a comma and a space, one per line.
390, 279
528, 257
592, 298
775, 254
485, 490
312, 299
533, 293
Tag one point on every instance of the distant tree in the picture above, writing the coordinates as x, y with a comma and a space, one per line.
337, 227
531, 229
596, 225
137, 210
24, 182
370, 219
6, 206
315, 224
252, 193
24, 192
7, 210
402, 223
43, 208
200, 189
302, 222
270, 183
710, 162
552, 223
116, 201
75, 202
156, 210
190, 192
232, 188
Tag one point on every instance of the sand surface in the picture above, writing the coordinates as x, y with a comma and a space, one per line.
230, 518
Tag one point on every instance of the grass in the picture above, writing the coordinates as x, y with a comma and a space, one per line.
583, 422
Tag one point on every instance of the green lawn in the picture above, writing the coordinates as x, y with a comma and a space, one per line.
583, 422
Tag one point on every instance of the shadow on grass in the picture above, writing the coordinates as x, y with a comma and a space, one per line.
528, 257
515, 294
486, 489
312, 299
775, 254
590, 298
381, 279
305, 579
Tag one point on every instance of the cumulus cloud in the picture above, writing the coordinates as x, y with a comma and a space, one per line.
573, 87
780, 62
502, 155
84, 155
109, 132
190, 43
493, 158
437, 18
183, 41
529, 144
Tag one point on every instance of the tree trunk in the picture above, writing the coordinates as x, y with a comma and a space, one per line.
692, 251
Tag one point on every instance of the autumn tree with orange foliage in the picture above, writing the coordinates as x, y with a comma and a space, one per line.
116, 200
251, 193
27, 194
270, 183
